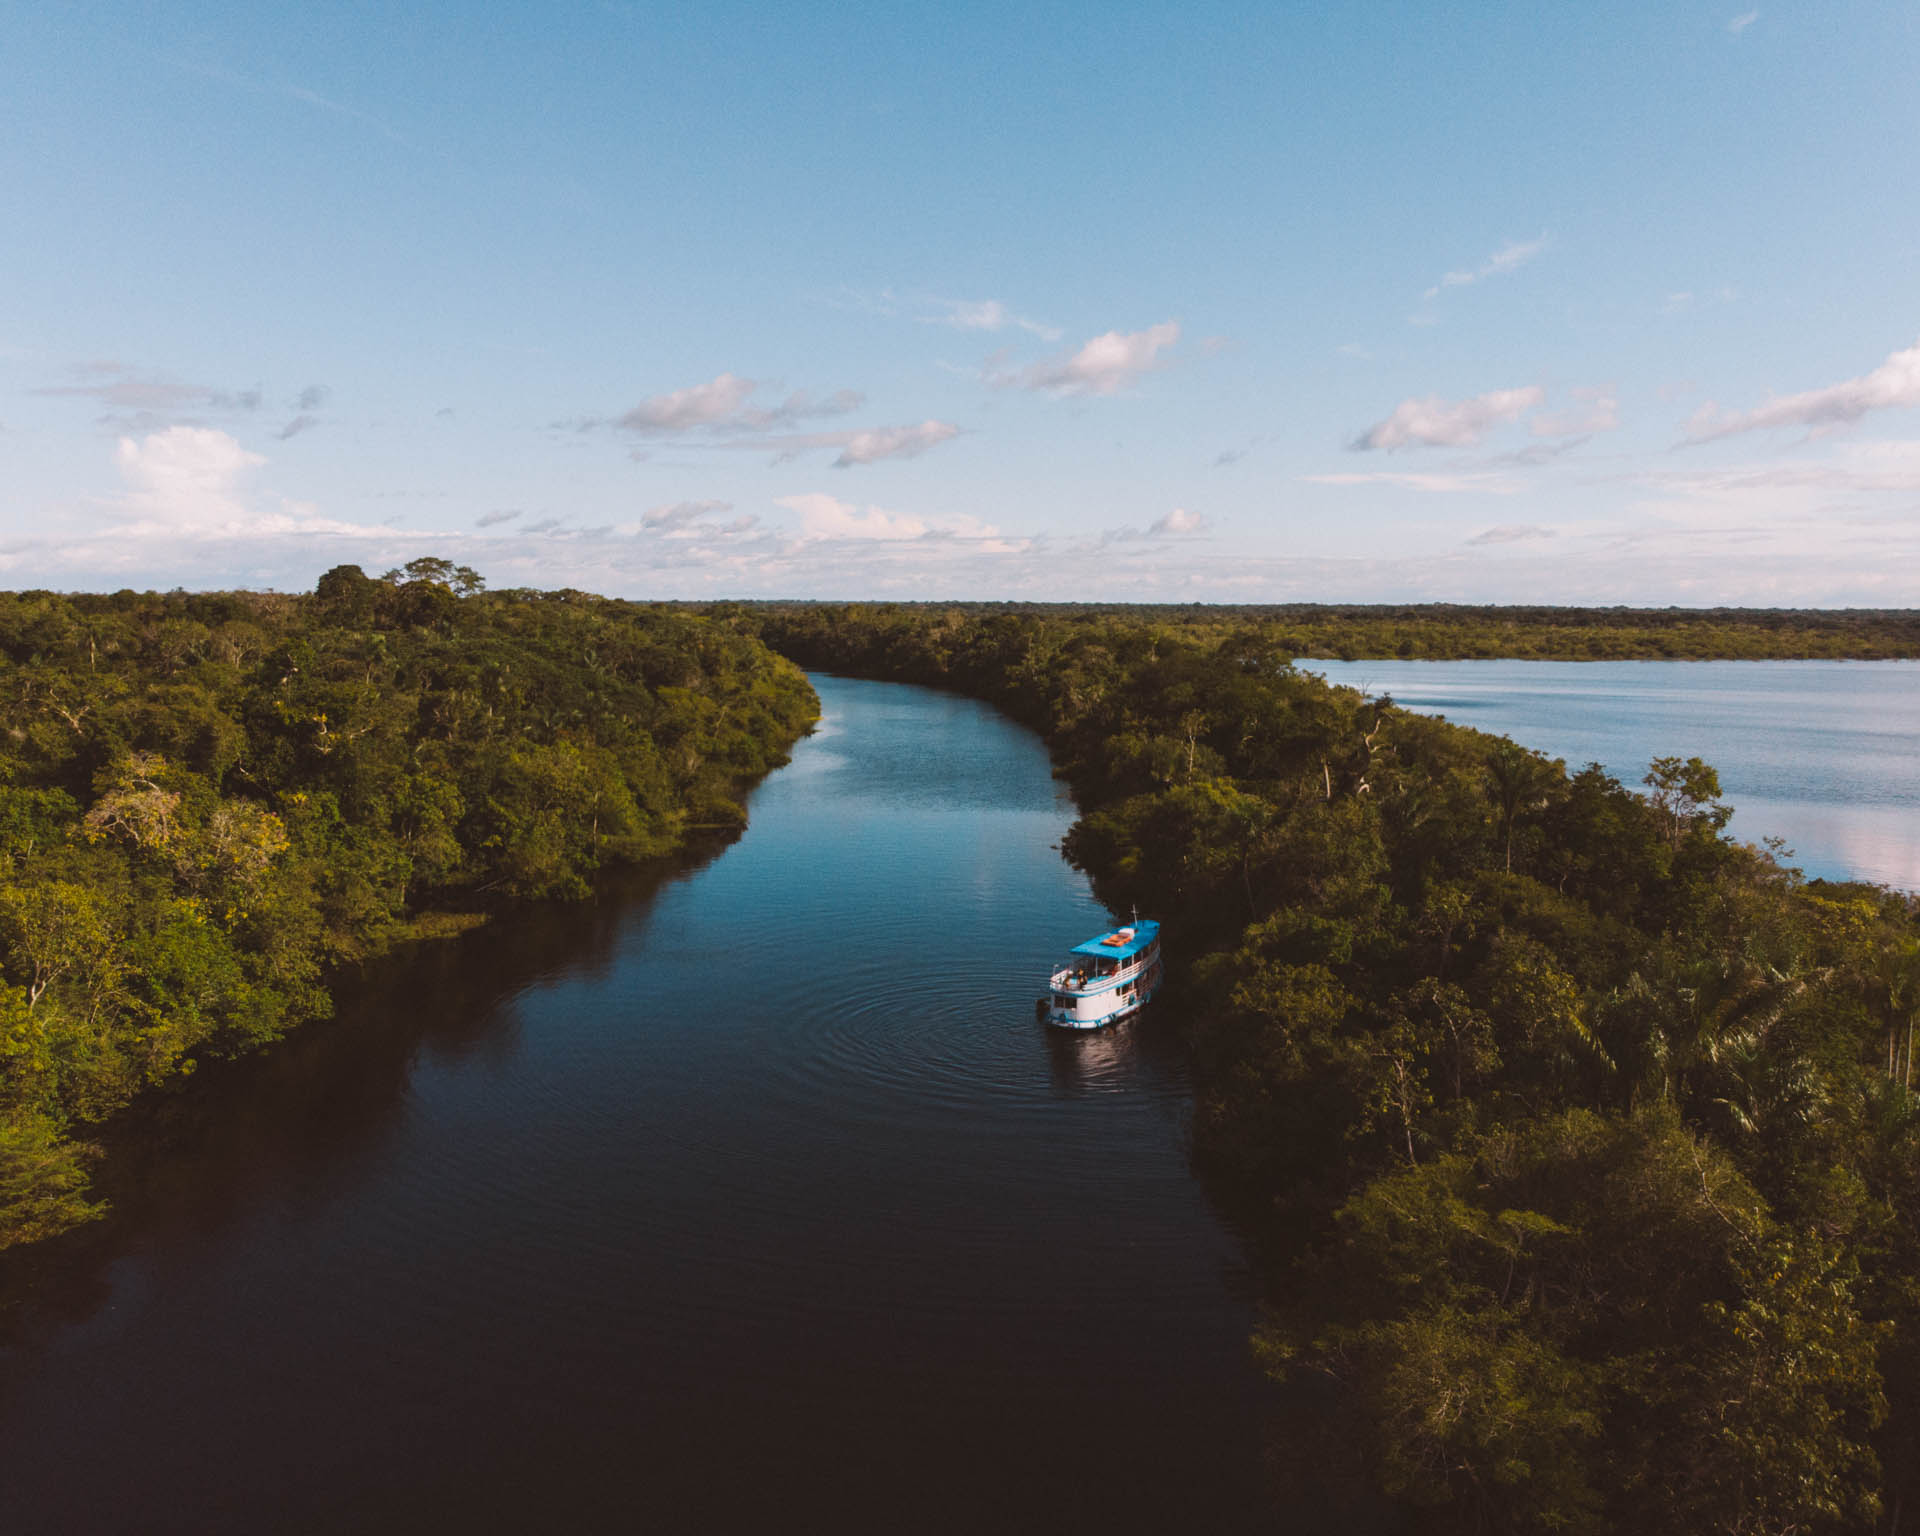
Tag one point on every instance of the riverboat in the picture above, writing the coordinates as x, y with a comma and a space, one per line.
1107, 979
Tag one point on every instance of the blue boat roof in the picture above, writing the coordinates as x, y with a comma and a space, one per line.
1139, 936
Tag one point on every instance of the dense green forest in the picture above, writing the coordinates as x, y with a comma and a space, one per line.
209, 802
1450, 631
1577, 1143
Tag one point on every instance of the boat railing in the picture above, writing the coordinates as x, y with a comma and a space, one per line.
1071, 980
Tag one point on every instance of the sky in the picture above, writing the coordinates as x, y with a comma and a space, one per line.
1205, 302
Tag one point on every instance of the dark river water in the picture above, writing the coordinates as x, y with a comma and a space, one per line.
751, 1196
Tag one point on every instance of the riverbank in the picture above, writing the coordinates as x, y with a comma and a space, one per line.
1547, 1089
211, 804
650, 1207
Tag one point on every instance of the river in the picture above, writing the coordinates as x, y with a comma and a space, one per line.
1818, 753
750, 1195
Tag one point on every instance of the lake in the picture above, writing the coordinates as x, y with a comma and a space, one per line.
750, 1195
1820, 753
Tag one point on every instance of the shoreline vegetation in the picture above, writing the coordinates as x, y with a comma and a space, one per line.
1462, 632
211, 804
1576, 1144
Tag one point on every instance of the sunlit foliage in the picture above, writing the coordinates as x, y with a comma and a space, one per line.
208, 801
1579, 1145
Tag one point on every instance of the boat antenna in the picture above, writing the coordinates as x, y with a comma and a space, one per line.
1136, 914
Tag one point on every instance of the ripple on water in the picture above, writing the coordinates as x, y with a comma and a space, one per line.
771, 1185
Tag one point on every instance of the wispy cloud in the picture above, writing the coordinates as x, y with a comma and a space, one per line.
299, 424
721, 413
1439, 482
1529, 457
723, 405
682, 517
1179, 523
1741, 22
1685, 300
126, 388
894, 443
988, 315
1437, 422
1896, 382
1594, 410
1513, 533
289, 92
1861, 467
495, 518
857, 446
1510, 257
1104, 366
985, 315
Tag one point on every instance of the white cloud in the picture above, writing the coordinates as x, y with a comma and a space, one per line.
828, 517
1104, 366
1896, 382
1178, 523
824, 517
1741, 22
1596, 410
1448, 423
186, 477
894, 442
1510, 257
715, 402
721, 412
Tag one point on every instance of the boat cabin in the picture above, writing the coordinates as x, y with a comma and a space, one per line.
1107, 977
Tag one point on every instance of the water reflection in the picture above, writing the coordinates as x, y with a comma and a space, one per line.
306, 1119
756, 1192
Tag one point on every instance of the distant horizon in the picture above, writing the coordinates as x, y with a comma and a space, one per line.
1203, 303
832, 601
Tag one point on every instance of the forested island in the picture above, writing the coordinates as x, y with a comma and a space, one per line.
1576, 1142
209, 803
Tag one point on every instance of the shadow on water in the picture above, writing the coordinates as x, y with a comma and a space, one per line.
751, 1193
298, 1120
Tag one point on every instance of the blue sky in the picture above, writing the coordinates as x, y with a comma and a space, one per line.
1223, 302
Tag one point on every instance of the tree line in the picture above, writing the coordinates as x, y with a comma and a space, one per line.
210, 802
1577, 1144
1458, 632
